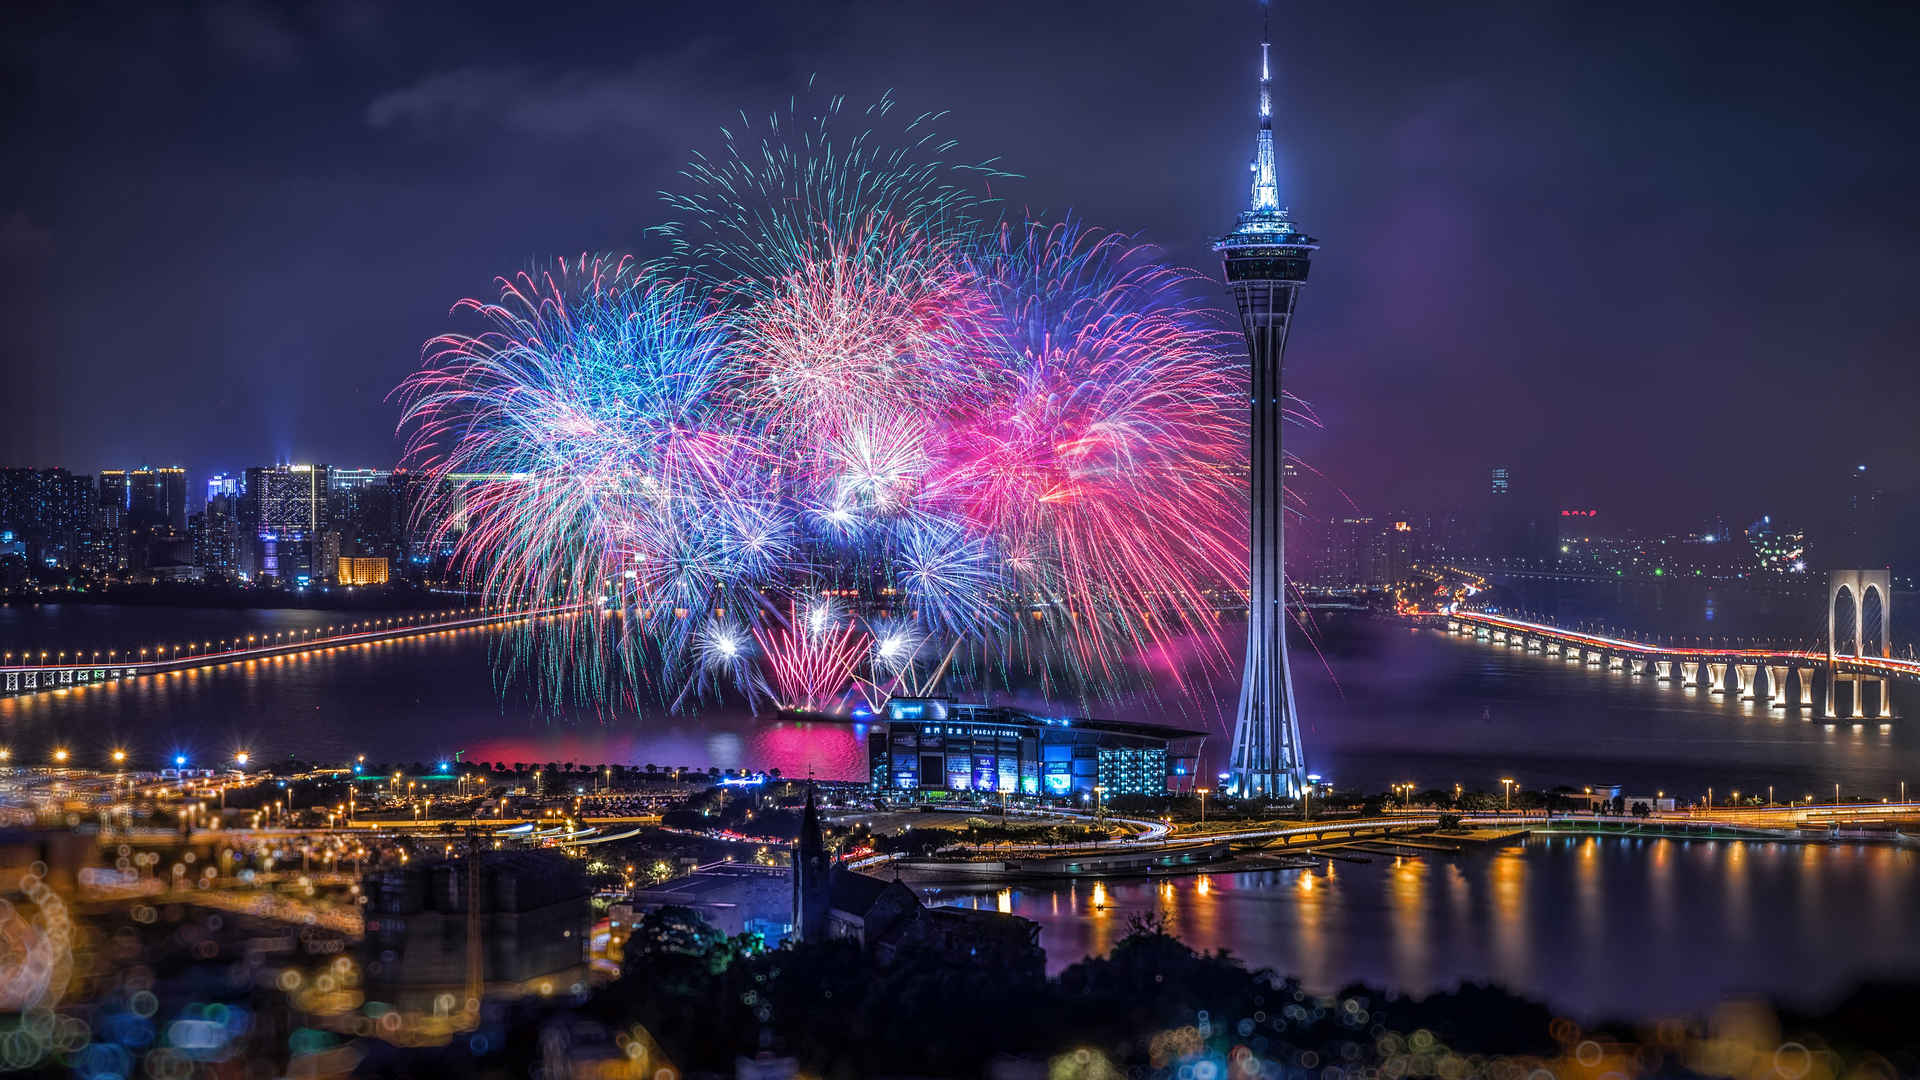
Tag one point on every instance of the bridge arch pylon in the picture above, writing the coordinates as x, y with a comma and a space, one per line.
1855, 585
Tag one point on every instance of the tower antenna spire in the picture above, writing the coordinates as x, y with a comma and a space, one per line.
1266, 189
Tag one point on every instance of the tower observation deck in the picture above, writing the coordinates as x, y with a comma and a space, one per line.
1266, 260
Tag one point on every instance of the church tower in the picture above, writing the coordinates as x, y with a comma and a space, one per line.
812, 875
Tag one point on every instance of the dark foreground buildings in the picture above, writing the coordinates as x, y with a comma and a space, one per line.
529, 932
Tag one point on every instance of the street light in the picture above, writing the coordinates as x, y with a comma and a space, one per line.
1506, 783
1099, 812
1202, 792
240, 759
60, 756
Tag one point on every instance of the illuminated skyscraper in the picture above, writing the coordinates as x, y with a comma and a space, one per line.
284, 519
113, 497
1266, 264
157, 497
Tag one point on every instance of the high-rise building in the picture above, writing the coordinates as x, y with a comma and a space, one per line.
1266, 261
284, 497
283, 516
1498, 483
1357, 552
360, 506
157, 497
153, 531
113, 497
16, 487
47, 511
1399, 549
216, 536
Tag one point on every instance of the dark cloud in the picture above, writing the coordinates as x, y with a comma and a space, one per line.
494, 102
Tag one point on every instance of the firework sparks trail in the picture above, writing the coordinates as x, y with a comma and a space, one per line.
812, 657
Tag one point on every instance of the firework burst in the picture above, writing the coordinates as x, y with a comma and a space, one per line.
849, 394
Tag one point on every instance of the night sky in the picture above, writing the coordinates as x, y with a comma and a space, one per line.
1658, 261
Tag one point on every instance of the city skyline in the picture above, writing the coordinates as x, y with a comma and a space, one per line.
1390, 147
515, 562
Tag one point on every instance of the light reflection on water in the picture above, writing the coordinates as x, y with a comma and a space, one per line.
1595, 925
406, 699
1418, 705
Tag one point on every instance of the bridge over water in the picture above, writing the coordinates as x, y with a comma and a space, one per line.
1801, 680
29, 677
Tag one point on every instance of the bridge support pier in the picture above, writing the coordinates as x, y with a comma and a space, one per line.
1663, 670
1718, 673
1747, 678
1806, 676
1689, 674
1777, 686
